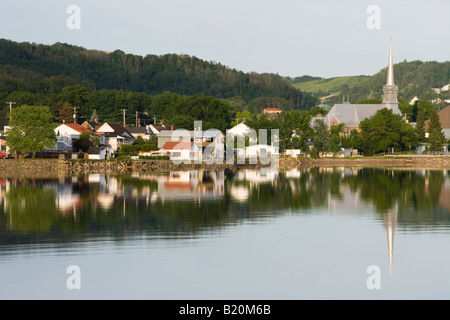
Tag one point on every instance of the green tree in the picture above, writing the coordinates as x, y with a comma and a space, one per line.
335, 137
32, 129
420, 126
385, 131
83, 143
436, 136
321, 137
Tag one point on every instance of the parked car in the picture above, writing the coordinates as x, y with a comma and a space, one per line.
4, 155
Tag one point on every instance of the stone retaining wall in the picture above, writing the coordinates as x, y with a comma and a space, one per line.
37, 167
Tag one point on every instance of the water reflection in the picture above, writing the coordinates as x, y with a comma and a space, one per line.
188, 202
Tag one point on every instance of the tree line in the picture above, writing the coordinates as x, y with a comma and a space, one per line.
46, 69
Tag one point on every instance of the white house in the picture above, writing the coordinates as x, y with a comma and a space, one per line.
99, 153
181, 151
66, 133
261, 151
114, 135
209, 144
140, 132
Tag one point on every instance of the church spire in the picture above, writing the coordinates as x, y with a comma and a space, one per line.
390, 90
390, 74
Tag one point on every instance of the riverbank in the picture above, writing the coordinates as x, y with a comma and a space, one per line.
410, 161
53, 167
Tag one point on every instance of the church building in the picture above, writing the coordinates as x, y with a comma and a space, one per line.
351, 115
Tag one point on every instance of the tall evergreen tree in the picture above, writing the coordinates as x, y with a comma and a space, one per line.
436, 136
420, 126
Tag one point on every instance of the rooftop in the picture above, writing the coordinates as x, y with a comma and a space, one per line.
175, 145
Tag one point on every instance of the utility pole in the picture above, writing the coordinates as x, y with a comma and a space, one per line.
124, 116
10, 109
74, 115
137, 114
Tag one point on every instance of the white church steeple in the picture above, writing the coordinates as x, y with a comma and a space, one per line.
390, 90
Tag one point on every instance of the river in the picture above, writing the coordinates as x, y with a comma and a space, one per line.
320, 233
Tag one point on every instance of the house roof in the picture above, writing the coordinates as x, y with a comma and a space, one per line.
94, 150
118, 128
353, 114
137, 129
272, 110
176, 145
444, 118
92, 124
191, 133
77, 127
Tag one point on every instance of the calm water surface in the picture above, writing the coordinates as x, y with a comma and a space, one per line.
248, 234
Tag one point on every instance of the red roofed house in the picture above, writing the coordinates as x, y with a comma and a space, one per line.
272, 112
66, 133
181, 151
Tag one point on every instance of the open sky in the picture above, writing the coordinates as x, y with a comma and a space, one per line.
323, 38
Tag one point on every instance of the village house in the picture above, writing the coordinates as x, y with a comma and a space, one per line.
114, 135
99, 153
210, 143
181, 151
91, 125
444, 119
155, 129
66, 133
272, 113
140, 132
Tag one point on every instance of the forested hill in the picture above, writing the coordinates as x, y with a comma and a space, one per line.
414, 78
23, 66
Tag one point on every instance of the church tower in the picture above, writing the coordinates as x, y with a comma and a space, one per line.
390, 90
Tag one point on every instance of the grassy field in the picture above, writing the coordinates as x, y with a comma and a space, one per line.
331, 85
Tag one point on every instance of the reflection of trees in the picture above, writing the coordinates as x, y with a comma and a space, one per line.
31, 208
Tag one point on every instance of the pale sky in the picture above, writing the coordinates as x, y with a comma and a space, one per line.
324, 38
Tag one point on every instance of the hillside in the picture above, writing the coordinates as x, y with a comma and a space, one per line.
415, 78
29, 66
329, 86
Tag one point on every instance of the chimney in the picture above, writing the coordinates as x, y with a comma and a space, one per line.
171, 127
95, 120
319, 115
64, 121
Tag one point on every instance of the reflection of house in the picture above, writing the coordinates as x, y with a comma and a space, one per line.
67, 202
256, 176
66, 133
193, 184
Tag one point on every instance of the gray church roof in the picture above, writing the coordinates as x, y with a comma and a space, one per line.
353, 114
